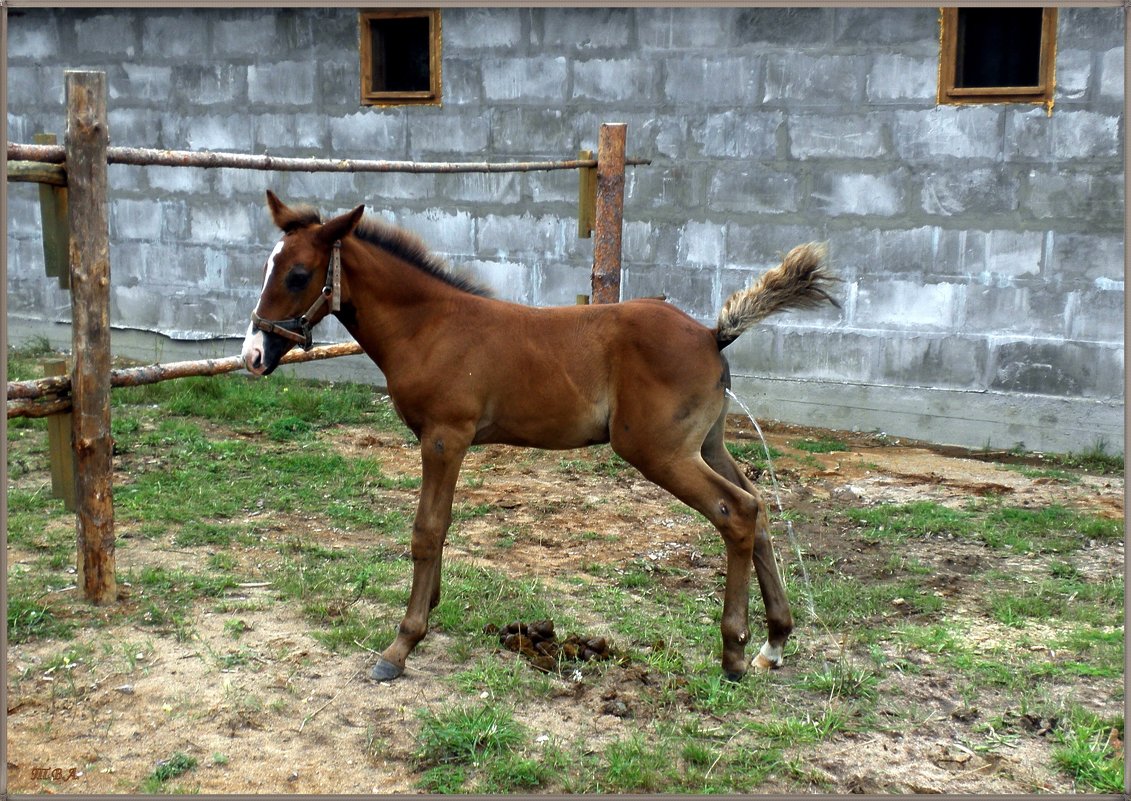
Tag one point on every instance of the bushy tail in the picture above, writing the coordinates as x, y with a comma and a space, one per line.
797, 283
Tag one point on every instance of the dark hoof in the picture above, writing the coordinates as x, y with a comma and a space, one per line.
384, 670
734, 675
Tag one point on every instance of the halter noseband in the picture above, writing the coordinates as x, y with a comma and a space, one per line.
331, 291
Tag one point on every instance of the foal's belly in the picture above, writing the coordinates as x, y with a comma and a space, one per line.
553, 441
545, 427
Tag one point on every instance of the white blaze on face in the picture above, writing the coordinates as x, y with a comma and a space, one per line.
253, 343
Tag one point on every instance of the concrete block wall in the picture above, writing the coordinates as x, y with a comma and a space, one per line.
981, 247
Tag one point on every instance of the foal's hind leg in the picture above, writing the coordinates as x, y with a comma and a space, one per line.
779, 620
441, 457
734, 512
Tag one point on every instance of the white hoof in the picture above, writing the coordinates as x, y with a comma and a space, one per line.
769, 658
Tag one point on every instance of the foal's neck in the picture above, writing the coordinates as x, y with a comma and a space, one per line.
393, 304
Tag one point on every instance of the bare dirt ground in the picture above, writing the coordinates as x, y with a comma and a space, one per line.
299, 719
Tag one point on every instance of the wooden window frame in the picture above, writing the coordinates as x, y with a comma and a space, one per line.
431, 96
1042, 93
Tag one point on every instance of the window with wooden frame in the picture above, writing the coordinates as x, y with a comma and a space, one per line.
400, 57
997, 55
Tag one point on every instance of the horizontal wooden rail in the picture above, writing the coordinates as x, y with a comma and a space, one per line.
37, 172
140, 156
38, 408
45, 396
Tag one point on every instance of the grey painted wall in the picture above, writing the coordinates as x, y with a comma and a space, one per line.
981, 247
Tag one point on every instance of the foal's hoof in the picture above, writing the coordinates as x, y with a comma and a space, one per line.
734, 675
769, 658
384, 670
760, 663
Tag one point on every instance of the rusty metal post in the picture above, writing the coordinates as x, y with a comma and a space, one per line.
609, 215
586, 196
86, 140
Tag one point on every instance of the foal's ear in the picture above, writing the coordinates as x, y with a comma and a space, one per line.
284, 216
339, 227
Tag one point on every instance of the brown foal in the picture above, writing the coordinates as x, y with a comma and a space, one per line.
464, 368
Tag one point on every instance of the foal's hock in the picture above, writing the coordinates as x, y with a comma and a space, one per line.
464, 368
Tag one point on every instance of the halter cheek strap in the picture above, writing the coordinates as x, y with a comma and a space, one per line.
331, 293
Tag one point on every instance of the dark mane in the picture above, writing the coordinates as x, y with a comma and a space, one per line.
302, 215
409, 247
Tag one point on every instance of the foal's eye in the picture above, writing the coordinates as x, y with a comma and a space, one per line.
297, 279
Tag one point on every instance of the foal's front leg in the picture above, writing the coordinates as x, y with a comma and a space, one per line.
441, 457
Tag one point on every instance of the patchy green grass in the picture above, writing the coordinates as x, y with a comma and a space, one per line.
842, 679
1070, 600
1055, 474
1091, 750
283, 407
30, 513
818, 445
228, 482
1095, 459
888, 522
168, 769
753, 453
315, 480
1096, 651
501, 679
474, 597
636, 765
1051, 529
166, 597
455, 745
29, 619
599, 461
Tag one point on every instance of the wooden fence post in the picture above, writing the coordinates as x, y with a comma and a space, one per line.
87, 138
53, 222
59, 438
56, 235
609, 216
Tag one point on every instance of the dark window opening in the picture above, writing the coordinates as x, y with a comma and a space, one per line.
998, 47
400, 57
997, 55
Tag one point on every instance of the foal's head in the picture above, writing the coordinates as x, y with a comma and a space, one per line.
297, 283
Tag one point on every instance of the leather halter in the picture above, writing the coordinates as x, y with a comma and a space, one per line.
331, 292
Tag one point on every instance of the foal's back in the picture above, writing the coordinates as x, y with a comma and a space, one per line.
557, 377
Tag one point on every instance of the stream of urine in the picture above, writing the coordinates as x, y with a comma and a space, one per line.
808, 587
